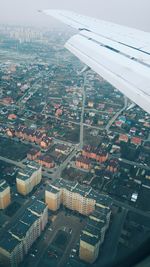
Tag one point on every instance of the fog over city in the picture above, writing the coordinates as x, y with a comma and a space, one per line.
133, 13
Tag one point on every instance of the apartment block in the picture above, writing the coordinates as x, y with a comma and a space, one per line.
71, 194
88, 202
93, 234
16, 242
11, 251
40, 210
53, 198
28, 178
5, 197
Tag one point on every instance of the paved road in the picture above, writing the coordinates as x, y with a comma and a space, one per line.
130, 208
18, 164
116, 115
134, 163
82, 112
58, 172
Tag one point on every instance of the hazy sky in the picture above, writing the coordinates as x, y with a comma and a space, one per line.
134, 13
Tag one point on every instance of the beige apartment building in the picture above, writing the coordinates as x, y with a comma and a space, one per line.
28, 178
5, 197
71, 195
87, 202
16, 242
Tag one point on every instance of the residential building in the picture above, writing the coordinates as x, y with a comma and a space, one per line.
87, 202
28, 178
5, 197
16, 242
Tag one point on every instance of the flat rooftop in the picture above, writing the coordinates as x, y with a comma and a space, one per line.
3, 185
8, 242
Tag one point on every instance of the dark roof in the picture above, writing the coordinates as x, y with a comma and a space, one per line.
37, 207
46, 158
19, 229
83, 160
3, 185
28, 218
92, 240
52, 189
28, 171
92, 230
8, 242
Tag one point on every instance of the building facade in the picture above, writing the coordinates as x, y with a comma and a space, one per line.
28, 178
5, 197
87, 202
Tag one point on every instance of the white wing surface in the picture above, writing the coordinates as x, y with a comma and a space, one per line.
121, 55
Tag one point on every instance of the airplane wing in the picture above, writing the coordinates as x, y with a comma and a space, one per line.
121, 55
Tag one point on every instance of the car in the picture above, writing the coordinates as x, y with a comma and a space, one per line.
70, 231
32, 255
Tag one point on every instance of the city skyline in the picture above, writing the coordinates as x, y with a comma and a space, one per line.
74, 151
134, 14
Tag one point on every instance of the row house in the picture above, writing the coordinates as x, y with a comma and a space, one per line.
84, 163
113, 165
5, 197
45, 142
95, 153
33, 154
136, 141
46, 161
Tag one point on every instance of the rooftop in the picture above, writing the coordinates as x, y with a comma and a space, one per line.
8, 242
28, 218
19, 230
92, 240
3, 185
28, 171
38, 207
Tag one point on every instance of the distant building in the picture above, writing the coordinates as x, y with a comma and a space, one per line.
58, 112
62, 149
28, 178
90, 104
136, 140
5, 197
12, 116
119, 123
10, 132
123, 138
133, 130
46, 142
113, 165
